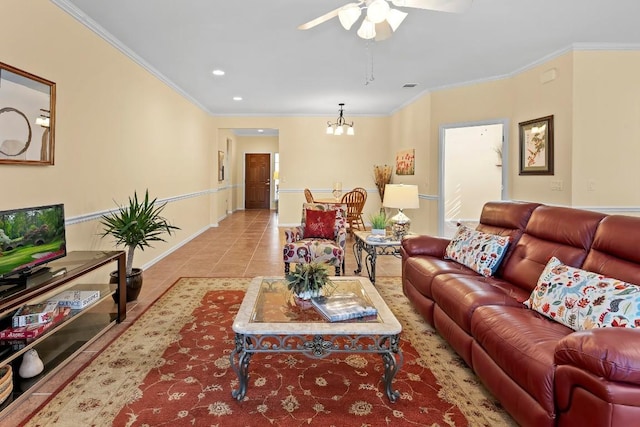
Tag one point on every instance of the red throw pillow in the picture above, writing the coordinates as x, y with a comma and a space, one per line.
320, 224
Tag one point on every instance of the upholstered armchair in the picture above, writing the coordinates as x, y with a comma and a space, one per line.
321, 237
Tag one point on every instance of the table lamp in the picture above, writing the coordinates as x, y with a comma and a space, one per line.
400, 196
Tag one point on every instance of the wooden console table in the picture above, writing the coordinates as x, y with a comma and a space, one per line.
60, 343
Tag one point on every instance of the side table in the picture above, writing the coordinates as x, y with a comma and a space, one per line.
388, 246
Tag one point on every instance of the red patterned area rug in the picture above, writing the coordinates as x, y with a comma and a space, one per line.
171, 368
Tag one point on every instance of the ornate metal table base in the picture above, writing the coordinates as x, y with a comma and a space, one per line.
316, 346
372, 250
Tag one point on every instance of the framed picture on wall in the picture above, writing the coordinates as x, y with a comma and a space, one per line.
405, 162
220, 165
536, 146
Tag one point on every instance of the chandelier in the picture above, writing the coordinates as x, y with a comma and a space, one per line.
339, 127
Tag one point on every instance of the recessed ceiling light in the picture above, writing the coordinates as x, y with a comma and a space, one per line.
237, 98
218, 72
410, 85
260, 130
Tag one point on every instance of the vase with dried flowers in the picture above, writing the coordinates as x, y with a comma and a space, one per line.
382, 177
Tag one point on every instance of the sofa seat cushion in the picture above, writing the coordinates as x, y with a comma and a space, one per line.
459, 295
422, 269
522, 342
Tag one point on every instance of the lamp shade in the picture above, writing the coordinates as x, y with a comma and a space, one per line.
401, 196
348, 15
367, 30
395, 18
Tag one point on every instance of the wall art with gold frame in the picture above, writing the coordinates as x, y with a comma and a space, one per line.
27, 117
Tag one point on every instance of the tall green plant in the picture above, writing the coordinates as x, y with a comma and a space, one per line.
137, 225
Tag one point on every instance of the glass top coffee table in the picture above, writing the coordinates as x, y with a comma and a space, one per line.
272, 320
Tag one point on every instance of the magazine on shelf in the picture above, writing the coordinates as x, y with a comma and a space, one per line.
34, 330
35, 314
378, 238
76, 299
343, 306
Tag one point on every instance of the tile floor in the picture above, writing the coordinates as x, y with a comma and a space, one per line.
245, 244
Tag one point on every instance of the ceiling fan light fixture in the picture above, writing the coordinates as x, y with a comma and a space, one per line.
395, 18
377, 11
348, 15
367, 30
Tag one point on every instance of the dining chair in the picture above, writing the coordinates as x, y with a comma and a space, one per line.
355, 204
364, 193
308, 195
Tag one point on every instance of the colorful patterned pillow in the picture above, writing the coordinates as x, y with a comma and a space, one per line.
584, 300
320, 224
482, 252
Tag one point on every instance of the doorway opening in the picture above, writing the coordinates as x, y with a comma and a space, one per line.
473, 168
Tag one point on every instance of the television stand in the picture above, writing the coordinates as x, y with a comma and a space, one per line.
58, 344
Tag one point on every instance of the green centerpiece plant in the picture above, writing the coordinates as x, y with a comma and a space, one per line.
379, 222
136, 225
306, 281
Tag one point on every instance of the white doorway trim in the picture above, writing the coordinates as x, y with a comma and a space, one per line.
441, 162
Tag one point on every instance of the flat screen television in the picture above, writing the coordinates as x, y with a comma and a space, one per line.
30, 238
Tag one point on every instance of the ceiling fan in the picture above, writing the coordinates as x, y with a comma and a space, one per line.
380, 19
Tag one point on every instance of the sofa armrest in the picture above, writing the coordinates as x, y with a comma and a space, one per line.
293, 234
425, 245
610, 353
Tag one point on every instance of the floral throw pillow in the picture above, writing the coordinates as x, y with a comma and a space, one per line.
319, 224
584, 300
481, 252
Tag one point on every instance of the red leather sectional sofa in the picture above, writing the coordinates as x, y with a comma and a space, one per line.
543, 373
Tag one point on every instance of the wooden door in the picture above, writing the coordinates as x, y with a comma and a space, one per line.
257, 179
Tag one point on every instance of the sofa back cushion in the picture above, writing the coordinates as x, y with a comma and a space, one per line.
615, 250
507, 219
551, 231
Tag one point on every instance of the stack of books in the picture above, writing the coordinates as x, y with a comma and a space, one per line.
344, 306
32, 320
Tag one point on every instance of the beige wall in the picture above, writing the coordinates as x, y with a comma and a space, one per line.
606, 131
533, 99
118, 129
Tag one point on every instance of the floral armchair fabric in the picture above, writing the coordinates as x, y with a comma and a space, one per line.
299, 249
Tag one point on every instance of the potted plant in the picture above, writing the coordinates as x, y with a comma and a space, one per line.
379, 222
307, 280
136, 226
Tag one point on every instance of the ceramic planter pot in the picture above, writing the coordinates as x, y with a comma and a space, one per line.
134, 284
307, 295
378, 231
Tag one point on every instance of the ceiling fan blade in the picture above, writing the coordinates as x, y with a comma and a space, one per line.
319, 20
383, 31
453, 6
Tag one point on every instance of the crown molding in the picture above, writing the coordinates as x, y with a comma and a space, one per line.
85, 20
575, 47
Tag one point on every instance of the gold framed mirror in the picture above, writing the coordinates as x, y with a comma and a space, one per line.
27, 117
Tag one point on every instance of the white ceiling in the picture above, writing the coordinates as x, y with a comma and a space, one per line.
279, 70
